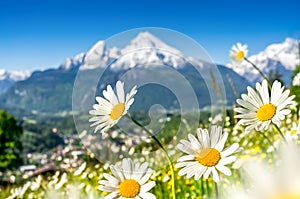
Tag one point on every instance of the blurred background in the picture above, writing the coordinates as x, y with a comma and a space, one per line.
43, 45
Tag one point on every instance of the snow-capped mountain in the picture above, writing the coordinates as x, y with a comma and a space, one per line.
50, 91
97, 56
144, 49
72, 62
147, 49
7, 79
282, 57
14, 75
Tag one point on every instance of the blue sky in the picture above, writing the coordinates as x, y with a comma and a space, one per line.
39, 34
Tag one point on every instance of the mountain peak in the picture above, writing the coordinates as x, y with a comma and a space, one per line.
13, 75
97, 56
3, 74
8, 78
148, 40
69, 63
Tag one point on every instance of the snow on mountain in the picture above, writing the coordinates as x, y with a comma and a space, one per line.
14, 75
144, 49
72, 62
3, 74
147, 49
97, 56
282, 57
7, 79
147, 40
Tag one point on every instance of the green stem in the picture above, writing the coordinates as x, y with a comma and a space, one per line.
164, 151
207, 187
260, 72
216, 190
280, 133
202, 188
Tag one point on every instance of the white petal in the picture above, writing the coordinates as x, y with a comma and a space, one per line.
146, 177
147, 195
99, 127
146, 187
127, 168
108, 183
141, 171
227, 160
224, 170
111, 179
220, 145
207, 173
253, 95
265, 92
206, 140
246, 104
117, 172
200, 172
103, 102
194, 142
120, 91
186, 158
131, 94
111, 195
103, 119
230, 150
216, 132
108, 93
183, 164
185, 147
106, 188
215, 174
251, 100
191, 167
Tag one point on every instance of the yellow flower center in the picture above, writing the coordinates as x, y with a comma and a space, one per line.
240, 55
266, 112
209, 157
129, 188
117, 111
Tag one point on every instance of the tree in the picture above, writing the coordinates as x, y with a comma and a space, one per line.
10, 144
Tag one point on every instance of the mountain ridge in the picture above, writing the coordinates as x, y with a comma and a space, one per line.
7, 79
50, 91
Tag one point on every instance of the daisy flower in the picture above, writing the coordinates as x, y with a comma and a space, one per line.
129, 180
296, 80
109, 110
206, 154
259, 107
238, 52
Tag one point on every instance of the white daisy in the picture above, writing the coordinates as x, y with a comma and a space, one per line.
129, 180
238, 52
112, 107
259, 107
206, 154
296, 80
